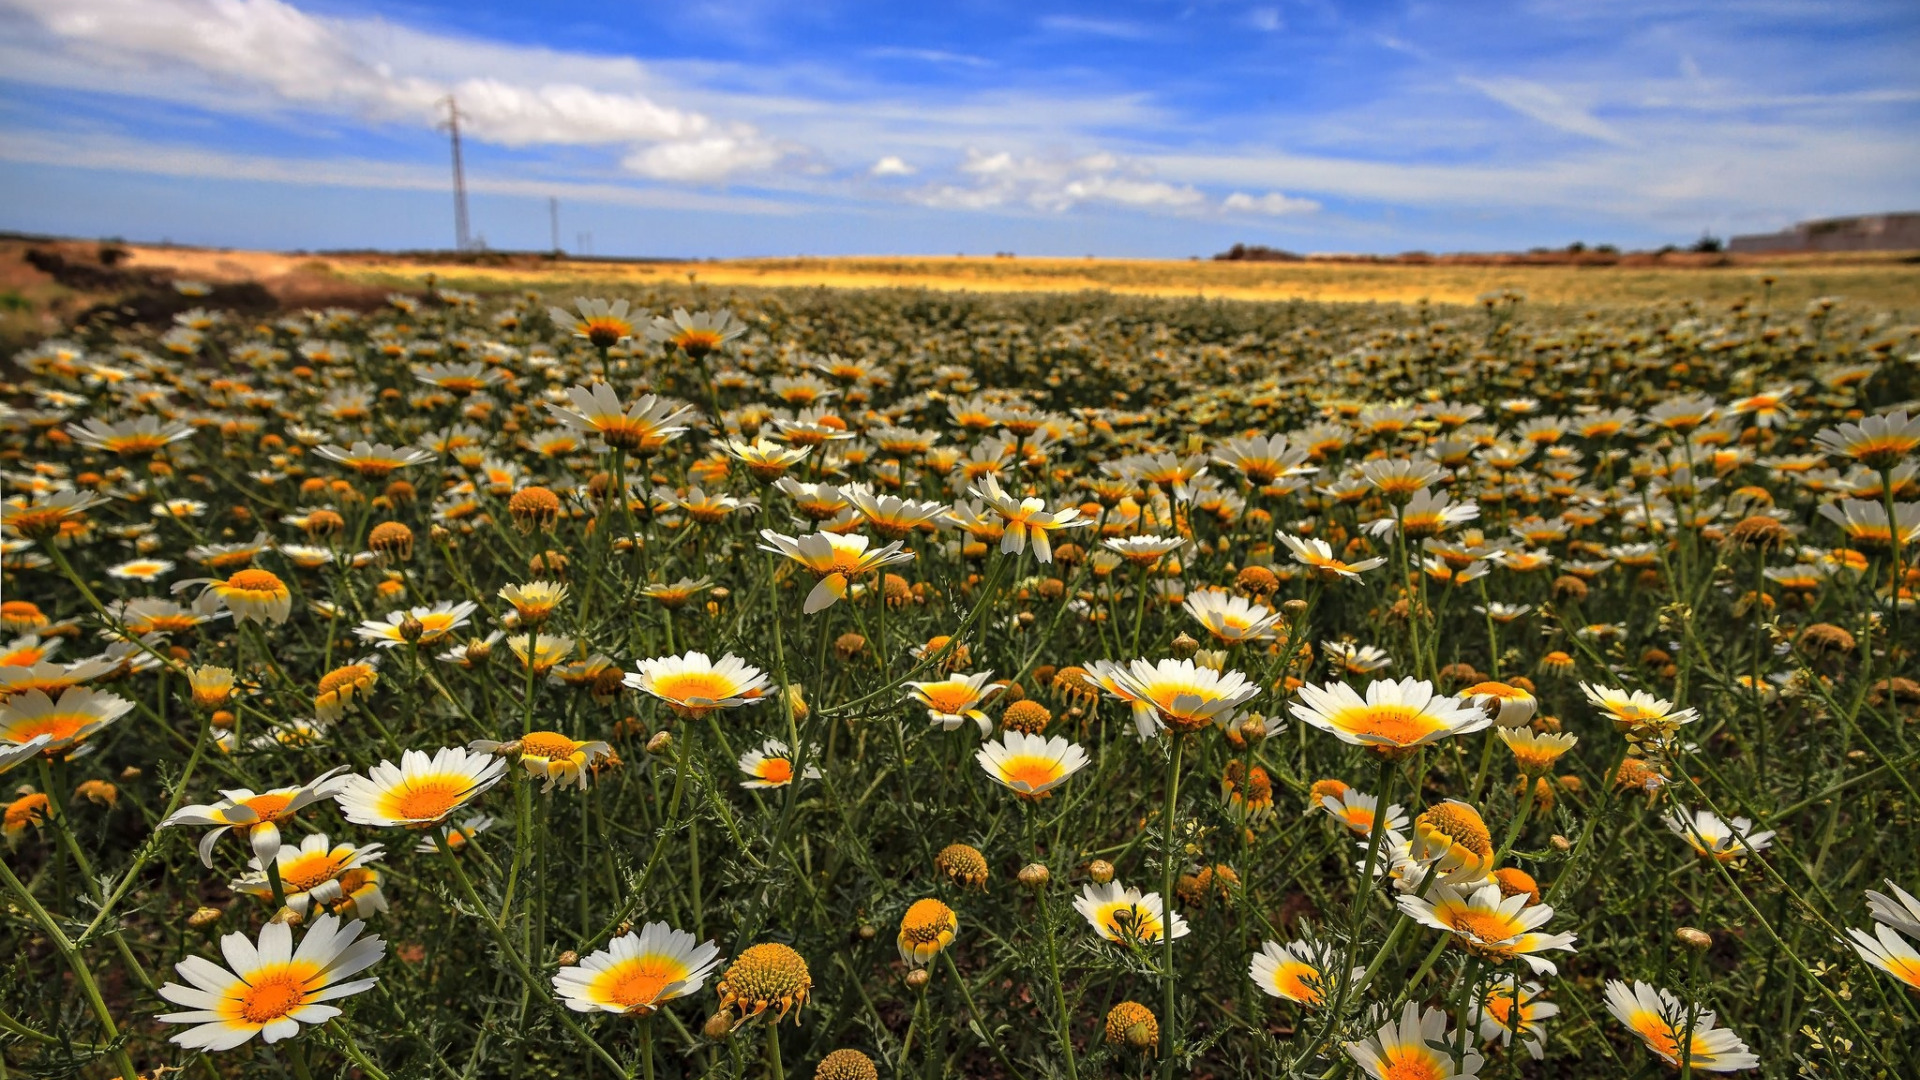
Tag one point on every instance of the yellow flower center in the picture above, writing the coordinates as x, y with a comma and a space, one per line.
261, 582
59, 725
637, 983
1301, 982
274, 994
547, 744
1399, 724
269, 806
692, 685
1405, 1063
776, 770
428, 799
309, 872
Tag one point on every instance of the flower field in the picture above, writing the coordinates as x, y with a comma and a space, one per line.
848, 684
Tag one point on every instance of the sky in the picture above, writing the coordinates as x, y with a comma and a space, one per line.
721, 128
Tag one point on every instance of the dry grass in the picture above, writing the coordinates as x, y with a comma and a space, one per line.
1888, 281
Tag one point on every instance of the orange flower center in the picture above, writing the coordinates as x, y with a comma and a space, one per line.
429, 799
776, 770
256, 581
547, 744
1035, 772
272, 996
1400, 724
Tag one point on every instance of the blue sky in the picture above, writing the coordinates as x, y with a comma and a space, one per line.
717, 128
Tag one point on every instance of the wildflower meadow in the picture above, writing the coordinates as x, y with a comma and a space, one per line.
857, 684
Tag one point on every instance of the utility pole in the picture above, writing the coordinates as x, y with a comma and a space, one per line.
553, 218
460, 238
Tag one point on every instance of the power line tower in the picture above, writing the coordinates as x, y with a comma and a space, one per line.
553, 219
452, 127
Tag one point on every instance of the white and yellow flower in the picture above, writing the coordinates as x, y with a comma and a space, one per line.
1030, 765
695, 685
1712, 838
435, 622
834, 558
1661, 1020
1489, 925
1414, 1048
771, 766
309, 874
1503, 1011
1359, 811
271, 988
1394, 717
1027, 520
1298, 971
259, 816
1179, 694
637, 973
67, 722
1124, 915
421, 791
1232, 619
954, 699
550, 756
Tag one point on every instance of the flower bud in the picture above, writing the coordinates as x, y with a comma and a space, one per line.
1697, 940
661, 743
918, 978
1100, 870
569, 958
1185, 645
719, 1025
1035, 876
1561, 843
204, 916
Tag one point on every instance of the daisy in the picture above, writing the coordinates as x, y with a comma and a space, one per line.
1900, 911
1232, 619
1031, 765
309, 874
892, 517
1394, 717
602, 323
834, 559
694, 685
1026, 519
250, 594
1123, 915
44, 516
1660, 1019
1877, 441
1535, 752
1263, 459
435, 623
1144, 550
926, 928
642, 427
1713, 838
78, 714
1414, 1048
374, 461
953, 699
1356, 659
1638, 714
12, 754
637, 973
141, 570
129, 438
1359, 811
550, 756
771, 766
1315, 553
1489, 925
697, 334
766, 460
272, 989
1889, 952
260, 816
422, 791
1503, 1012
1510, 706
1296, 971
1180, 694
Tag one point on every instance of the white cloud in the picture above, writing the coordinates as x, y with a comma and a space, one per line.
1266, 19
267, 54
1540, 102
1086, 27
1057, 184
708, 159
891, 165
1273, 202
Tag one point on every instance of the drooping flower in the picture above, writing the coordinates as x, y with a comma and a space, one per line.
259, 816
550, 756
1662, 1021
926, 928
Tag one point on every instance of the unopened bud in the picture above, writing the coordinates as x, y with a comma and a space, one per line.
719, 592
569, 958
131, 772
286, 916
1185, 645
1698, 940
1035, 876
917, 979
204, 916
1294, 609
868, 931
797, 702
719, 1025
661, 743
1100, 870
1253, 727
478, 650
1561, 843
411, 629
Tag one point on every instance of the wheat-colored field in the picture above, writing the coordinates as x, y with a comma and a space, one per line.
1889, 281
